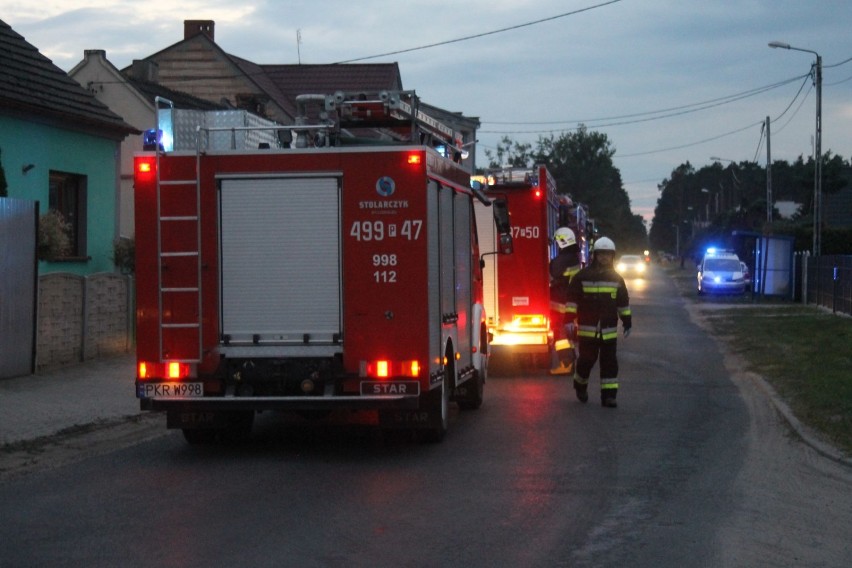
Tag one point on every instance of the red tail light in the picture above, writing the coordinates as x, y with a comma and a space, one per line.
384, 368
171, 370
145, 168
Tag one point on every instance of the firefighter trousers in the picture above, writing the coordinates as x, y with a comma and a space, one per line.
592, 349
563, 346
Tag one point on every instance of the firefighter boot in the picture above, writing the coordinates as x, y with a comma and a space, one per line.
608, 398
563, 369
582, 391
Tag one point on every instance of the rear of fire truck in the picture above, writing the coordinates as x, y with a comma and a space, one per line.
517, 286
310, 276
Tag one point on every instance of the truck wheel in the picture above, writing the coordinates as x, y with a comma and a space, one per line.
437, 404
239, 426
238, 429
474, 389
198, 437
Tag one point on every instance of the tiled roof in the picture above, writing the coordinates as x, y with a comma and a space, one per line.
258, 75
283, 83
294, 80
181, 100
31, 85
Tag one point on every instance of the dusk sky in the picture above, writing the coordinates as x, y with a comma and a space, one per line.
668, 81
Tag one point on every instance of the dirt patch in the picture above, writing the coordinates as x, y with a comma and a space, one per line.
78, 443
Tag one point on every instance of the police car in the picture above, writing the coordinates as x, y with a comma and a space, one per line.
721, 271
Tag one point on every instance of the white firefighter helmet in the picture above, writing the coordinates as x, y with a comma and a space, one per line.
604, 243
564, 237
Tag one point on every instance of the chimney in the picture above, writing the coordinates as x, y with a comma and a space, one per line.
194, 27
145, 70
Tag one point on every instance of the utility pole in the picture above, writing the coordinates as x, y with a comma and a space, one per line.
768, 174
816, 70
818, 158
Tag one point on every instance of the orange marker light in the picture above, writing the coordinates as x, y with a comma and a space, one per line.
174, 370
143, 370
382, 369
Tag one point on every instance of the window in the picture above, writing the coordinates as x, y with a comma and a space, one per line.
68, 196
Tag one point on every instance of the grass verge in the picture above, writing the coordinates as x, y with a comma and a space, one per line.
804, 352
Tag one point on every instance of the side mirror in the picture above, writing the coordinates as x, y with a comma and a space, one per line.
506, 244
504, 227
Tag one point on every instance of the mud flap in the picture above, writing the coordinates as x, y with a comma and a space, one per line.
426, 416
409, 419
197, 420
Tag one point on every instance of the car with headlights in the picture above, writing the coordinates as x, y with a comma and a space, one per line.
631, 265
720, 272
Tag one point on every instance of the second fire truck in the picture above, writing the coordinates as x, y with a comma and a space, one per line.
517, 286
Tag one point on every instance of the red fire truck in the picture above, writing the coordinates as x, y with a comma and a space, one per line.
517, 286
314, 277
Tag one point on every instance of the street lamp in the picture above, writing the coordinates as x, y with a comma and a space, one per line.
734, 186
817, 72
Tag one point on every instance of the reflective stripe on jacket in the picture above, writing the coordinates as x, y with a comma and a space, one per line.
598, 297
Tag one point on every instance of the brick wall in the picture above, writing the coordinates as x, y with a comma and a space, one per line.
82, 318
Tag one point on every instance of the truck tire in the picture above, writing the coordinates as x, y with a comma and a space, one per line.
239, 426
438, 406
199, 437
238, 429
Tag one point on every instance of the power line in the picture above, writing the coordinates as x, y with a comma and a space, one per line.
760, 141
475, 36
652, 115
792, 116
802, 86
701, 106
696, 143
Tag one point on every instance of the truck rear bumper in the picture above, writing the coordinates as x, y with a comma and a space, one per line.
238, 403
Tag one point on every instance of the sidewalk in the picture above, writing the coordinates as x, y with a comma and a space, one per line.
46, 403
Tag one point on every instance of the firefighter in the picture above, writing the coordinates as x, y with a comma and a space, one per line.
563, 267
597, 298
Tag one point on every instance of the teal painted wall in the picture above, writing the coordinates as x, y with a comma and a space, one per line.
50, 148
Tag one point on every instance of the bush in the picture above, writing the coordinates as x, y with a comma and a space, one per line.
54, 236
124, 254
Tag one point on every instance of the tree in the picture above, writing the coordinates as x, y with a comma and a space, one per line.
707, 206
511, 154
581, 164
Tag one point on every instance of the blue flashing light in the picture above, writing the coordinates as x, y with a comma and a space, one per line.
151, 139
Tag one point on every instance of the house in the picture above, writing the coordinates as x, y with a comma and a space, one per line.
60, 147
198, 66
132, 94
60, 151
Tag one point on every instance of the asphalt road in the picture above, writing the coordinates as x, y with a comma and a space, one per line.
693, 469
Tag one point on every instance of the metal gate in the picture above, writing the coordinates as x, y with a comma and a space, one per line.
18, 286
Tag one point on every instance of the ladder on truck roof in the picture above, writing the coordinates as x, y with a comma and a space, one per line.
388, 110
179, 264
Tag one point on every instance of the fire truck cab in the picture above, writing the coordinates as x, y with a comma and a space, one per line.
339, 271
